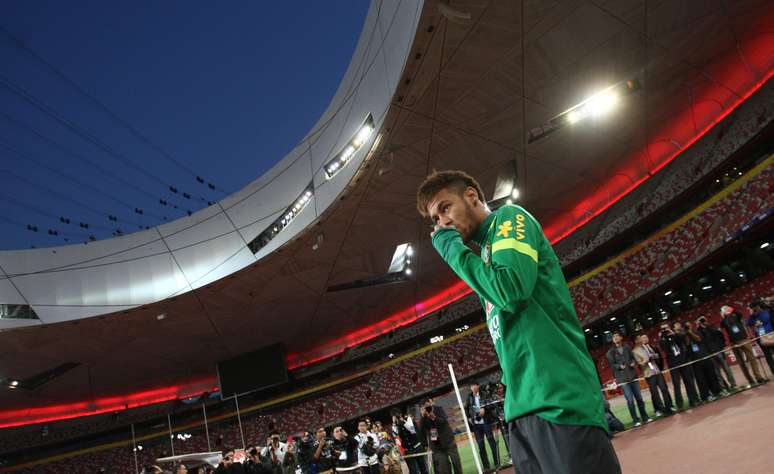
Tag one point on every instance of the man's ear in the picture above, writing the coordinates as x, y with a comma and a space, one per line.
472, 195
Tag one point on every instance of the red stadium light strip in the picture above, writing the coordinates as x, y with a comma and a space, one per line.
28, 416
404, 317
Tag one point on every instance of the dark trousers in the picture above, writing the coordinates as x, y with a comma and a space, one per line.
632, 393
447, 459
720, 362
662, 401
416, 464
767, 353
706, 378
684, 375
541, 447
485, 431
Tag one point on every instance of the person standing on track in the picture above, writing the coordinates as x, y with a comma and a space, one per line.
553, 401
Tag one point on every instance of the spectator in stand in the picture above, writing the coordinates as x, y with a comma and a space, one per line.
703, 370
406, 430
716, 344
367, 448
436, 430
760, 323
345, 450
734, 326
622, 362
649, 361
323, 452
480, 418
181, 469
676, 350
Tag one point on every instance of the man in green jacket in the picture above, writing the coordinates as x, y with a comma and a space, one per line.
553, 401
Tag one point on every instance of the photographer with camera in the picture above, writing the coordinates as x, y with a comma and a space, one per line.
323, 452
676, 350
435, 428
227, 464
403, 427
480, 418
255, 463
716, 344
275, 451
367, 447
733, 323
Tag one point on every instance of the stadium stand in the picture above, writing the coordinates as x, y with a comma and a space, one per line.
697, 162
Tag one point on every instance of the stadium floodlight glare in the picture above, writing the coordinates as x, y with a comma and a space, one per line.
668, 293
13, 384
613, 318
349, 149
515, 194
764, 245
722, 280
677, 301
707, 287
595, 106
587, 330
408, 271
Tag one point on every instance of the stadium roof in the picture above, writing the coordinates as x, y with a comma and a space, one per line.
476, 79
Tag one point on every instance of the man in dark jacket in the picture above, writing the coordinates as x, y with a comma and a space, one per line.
707, 381
436, 429
733, 324
622, 362
716, 343
480, 417
675, 348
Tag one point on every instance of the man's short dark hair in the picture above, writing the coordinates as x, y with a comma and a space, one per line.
452, 179
474, 382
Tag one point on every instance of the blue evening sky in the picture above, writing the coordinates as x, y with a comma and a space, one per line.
225, 88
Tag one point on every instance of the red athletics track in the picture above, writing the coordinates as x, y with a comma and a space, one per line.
729, 436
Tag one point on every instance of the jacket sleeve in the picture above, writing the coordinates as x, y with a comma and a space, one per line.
611, 360
511, 276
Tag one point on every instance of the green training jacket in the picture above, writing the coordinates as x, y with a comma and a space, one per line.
547, 369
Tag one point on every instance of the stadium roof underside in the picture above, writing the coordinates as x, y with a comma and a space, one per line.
446, 86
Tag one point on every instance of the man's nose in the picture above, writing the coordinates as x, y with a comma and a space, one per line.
445, 221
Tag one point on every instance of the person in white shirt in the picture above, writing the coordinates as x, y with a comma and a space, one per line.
275, 450
367, 448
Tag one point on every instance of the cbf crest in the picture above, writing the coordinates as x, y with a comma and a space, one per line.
486, 253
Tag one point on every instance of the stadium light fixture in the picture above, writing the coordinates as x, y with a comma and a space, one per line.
515, 194
612, 319
764, 245
290, 213
668, 293
677, 301
587, 330
722, 280
348, 151
706, 287
13, 384
596, 106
